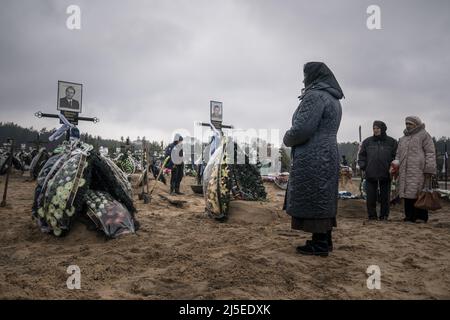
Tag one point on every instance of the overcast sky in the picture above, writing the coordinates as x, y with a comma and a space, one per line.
149, 67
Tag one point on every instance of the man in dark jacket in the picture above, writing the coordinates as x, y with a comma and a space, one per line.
376, 154
176, 165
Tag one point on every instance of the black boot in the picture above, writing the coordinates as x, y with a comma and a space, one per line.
329, 241
177, 191
422, 215
318, 246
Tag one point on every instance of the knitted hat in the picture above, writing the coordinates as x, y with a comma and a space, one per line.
414, 119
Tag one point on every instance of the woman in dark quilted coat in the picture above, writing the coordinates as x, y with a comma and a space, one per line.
311, 196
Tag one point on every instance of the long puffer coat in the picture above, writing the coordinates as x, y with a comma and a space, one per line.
417, 155
314, 178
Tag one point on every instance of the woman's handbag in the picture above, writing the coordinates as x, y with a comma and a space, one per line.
428, 199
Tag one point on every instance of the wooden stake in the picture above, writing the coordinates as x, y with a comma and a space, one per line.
10, 163
159, 174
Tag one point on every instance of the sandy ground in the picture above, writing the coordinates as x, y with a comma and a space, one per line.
179, 253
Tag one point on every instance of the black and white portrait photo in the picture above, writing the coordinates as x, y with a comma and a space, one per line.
216, 111
69, 96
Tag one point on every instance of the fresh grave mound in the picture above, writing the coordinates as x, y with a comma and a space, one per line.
225, 180
80, 184
355, 209
245, 212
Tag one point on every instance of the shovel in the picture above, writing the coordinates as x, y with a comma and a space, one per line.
144, 194
149, 195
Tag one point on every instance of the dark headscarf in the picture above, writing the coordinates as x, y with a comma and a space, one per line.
316, 72
383, 127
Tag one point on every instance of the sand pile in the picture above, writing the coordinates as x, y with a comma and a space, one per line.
179, 253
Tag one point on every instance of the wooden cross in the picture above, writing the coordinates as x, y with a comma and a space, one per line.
74, 118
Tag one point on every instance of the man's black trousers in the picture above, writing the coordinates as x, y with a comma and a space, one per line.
378, 191
176, 177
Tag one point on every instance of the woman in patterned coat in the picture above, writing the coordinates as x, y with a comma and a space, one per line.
311, 196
